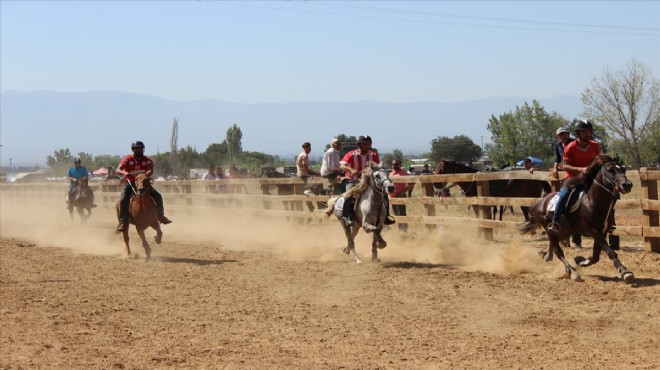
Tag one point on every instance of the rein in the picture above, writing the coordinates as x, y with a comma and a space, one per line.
611, 192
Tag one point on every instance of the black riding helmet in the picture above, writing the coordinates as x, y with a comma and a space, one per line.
364, 138
77, 160
137, 144
583, 124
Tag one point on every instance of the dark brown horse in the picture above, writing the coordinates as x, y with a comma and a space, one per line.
142, 213
82, 199
497, 188
604, 178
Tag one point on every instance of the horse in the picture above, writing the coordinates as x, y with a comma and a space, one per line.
497, 188
82, 198
142, 213
591, 216
370, 210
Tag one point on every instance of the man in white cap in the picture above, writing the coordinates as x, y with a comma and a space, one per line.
330, 166
563, 139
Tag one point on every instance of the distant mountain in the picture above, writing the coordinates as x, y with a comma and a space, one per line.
34, 124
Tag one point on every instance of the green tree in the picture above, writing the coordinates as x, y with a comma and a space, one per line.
87, 160
348, 143
234, 137
459, 148
387, 158
217, 154
529, 131
627, 103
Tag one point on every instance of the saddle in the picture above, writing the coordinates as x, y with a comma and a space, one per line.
572, 203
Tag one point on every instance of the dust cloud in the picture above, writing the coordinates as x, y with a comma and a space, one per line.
45, 222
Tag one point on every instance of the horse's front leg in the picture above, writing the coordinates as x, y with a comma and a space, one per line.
159, 233
145, 245
377, 243
600, 241
595, 254
125, 235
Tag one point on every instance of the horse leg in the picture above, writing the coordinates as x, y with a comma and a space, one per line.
377, 243
569, 271
159, 233
525, 212
125, 235
145, 245
353, 232
599, 241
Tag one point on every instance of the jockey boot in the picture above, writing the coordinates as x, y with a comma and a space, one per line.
123, 224
93, 206
554, 227
389, 220
164, 220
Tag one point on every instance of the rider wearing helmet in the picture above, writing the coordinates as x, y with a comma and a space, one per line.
131, 166
76, 174
352, 164
578, 155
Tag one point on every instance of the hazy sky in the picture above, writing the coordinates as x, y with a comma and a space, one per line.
276, 51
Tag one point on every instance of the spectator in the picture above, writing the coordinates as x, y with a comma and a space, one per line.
400, 191
111, 175
330, 166
411, 171
529, 165
302, 165
210, 175
426, 170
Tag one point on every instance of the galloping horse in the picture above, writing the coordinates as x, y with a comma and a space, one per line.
497, 188
142, 213
82, 198
370, 210
592, 217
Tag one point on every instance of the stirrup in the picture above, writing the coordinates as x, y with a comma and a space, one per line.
349, 221
554, 227
389, 220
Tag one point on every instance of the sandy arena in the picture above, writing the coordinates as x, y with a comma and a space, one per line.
224, 292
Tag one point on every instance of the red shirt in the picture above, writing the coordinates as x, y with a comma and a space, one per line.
134, 166
399, 187
358, 161
576, 156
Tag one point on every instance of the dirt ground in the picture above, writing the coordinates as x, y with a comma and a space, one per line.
229, 292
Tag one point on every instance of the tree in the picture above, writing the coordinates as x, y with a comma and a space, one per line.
387, 158
460, 148
174, 139
627, 103
529, 131
60, 157
234, 137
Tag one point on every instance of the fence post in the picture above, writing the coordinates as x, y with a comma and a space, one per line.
651, 217
483, 190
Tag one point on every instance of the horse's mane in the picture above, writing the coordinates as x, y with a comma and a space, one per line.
587, 178
361, 186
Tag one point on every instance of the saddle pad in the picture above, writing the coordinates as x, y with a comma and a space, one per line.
573, 204
339, 204
553, 203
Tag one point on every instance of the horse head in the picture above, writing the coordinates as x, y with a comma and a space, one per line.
614, 173
142, 183
379, 178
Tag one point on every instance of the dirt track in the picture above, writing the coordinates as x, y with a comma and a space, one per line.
223, 292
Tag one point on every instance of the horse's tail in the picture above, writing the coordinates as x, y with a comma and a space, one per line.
529, 226
331, 206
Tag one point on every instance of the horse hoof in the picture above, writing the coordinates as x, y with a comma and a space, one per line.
547, 257
158, 239
375, 260
628, 277
346, 251
575, 276
382, 245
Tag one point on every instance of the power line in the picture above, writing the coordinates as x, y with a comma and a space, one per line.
643, 31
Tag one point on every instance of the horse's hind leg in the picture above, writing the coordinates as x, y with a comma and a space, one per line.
145, 244
569, 271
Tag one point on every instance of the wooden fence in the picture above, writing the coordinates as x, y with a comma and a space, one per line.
257, 196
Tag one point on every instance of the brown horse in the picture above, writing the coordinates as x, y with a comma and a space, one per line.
142, 213
82, 198
497, 188
593, 216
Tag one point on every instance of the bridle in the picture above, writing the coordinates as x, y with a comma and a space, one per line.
606, 177
377, 182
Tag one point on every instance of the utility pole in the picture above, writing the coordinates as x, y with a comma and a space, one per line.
9, 164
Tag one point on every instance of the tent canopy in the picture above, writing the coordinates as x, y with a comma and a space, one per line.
535, 161
101, 171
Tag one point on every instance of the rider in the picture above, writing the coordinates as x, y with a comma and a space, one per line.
130, 166
353, 163
578, 155
76, 173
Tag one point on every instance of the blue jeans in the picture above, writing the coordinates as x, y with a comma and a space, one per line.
561, 203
